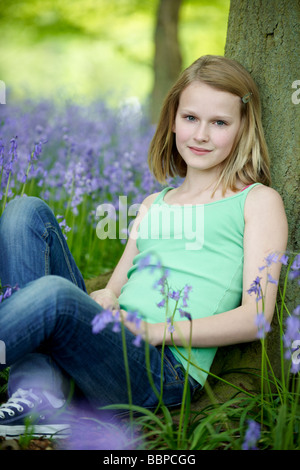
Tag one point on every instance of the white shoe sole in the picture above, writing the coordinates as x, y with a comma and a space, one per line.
55, 431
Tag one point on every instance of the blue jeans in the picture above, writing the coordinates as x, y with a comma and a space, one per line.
46, 324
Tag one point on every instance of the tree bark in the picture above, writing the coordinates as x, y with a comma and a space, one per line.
167, 59
264, 36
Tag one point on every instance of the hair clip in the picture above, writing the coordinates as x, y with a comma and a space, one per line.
246, 98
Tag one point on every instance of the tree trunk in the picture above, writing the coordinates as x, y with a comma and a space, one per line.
167, 59
264, 36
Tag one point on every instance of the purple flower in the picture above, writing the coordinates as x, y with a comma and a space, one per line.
8, 292
291, 340
13, 148
270, 259
134, 317
161, 283
284, 259
185, 314
171, 327
263, 326
295, 269
144, 262
297, 310
107, 316
92, 431
252, 436
37, 150
271, 279
63, 225
137, 341
175, 295
255, 288
186, 292
161, 303
101, 320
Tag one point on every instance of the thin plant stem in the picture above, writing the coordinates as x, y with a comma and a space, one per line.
127, 371
186, 383
26, 176
6, 192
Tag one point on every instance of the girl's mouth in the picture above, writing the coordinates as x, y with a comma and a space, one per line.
199, 150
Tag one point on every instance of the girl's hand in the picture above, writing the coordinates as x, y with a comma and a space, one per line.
106, 298
150, 332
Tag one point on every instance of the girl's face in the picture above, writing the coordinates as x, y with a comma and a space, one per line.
206, 124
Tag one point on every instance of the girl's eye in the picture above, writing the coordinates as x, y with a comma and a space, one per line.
190, 118
220, 123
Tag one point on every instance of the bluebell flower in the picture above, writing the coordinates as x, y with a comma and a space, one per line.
263, 326
255, 287
134, 317
252, 436
107, 316
186, 292
171, 327
101, 320
271, 279
9, 290
295, 269
185, 314
13, 148
291, 338
284, 259
144, 262
296, 311
175, 295
270, 259
138, 341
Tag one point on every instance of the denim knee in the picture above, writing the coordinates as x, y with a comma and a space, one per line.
23, 206
56, 288
18, 213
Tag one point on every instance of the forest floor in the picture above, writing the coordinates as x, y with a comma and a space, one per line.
32, 444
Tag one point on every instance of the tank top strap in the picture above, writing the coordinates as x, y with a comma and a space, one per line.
246, 189
161, 195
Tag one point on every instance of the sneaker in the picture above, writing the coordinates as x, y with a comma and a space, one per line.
36, 414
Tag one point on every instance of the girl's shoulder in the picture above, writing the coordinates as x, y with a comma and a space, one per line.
145, 205
265, 201
148, 201
266, 193
156, 197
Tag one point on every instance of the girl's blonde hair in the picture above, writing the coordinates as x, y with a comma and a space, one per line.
248, 160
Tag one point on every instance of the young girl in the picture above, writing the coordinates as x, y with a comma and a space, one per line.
209, 133
211, 234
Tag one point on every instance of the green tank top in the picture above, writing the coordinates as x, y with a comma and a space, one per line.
201, 246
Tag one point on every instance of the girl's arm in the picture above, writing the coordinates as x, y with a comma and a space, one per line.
265, 233
108, 297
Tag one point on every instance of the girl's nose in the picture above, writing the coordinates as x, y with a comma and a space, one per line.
201, 132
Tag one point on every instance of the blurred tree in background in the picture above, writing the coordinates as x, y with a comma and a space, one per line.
167, 57
85, 49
